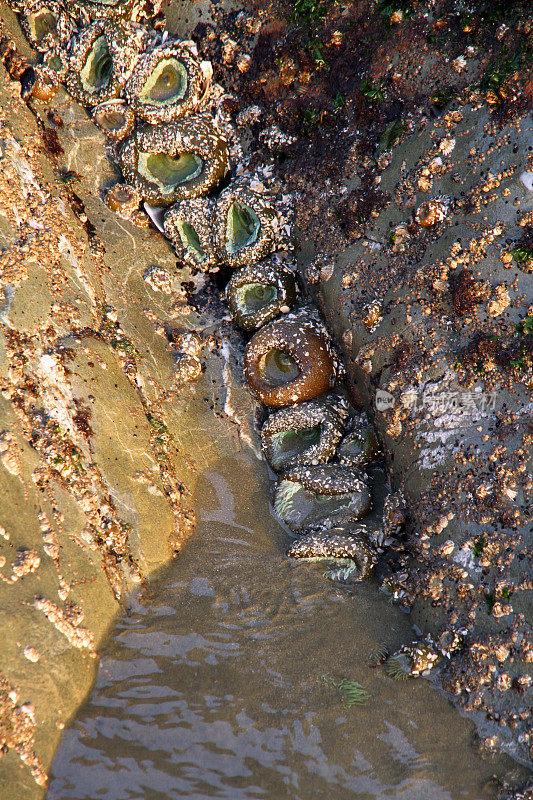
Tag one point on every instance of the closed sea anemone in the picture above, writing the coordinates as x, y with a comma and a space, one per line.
431, 212
167, 83
102, 60
176, 161
259, 293
348, 550
246, 226
188, 224
289, 361
307, 433
327, 494
115, 118
360, 446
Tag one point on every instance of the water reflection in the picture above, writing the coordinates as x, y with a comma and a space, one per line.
211, 687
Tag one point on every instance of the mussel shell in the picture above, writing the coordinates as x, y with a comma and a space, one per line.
166, 83
328, 494
176, 161
188, 225
259, 293
245, 226
307, 433
288, 362
115, 118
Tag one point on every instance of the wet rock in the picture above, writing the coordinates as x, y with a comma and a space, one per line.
456, 428
100, 435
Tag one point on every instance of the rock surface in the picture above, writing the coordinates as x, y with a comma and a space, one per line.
100, 424
434, 322
110, 374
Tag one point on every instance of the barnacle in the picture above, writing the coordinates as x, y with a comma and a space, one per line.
113, 9
115, 118
166, 83
326, 495
260, 292
167, 163
246, 226
45, 24
414, 659
348, 549
360, 446
307, 433
430, 212
289, 361
104, 56
188, 225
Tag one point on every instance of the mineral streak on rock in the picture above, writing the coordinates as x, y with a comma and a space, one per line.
307, 433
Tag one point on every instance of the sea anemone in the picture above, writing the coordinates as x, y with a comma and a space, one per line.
327, 495
307, 433
178, 161
115, 118
167, 83
246, 226
102, 60
289, 361
188, 224
259, 293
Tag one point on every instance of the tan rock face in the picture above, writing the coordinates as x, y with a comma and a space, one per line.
100, 430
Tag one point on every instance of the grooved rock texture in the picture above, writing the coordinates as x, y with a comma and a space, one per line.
101, 434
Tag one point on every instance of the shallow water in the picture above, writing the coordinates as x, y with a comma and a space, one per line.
212, 686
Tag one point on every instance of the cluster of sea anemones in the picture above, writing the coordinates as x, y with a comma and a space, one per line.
166, 130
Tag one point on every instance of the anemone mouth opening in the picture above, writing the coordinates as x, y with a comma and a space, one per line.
242, 227
286, 445
112, 121
278, 368
166, 171
255, 296
42, 23
55, 63
166, 84
95, 74
191, 241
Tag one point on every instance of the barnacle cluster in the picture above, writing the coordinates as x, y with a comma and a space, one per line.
414, 659
181, 162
